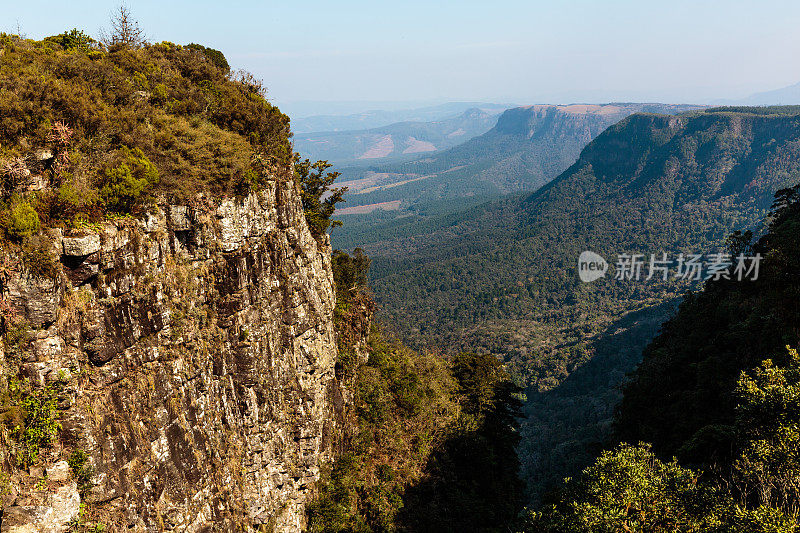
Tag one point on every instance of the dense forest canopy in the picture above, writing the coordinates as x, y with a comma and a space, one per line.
719, 388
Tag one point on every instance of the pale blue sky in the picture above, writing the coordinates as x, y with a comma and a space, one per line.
501, 50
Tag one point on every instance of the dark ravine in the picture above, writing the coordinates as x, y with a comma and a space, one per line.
193, 353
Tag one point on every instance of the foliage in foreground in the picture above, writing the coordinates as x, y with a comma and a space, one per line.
403, 407
630, 489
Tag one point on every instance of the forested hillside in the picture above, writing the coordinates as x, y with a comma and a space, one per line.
681, 398
719, 388
649, 184
502, 278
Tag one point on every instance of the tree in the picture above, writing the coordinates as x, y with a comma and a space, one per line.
768, 423
123, 187
472, 481
74, 39
349, 272
319, 199
629, 489
215, 56
125, 31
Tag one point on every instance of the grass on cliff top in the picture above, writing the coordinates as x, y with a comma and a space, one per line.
75, 112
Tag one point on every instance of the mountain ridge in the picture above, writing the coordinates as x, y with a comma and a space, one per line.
527, 147
377, 118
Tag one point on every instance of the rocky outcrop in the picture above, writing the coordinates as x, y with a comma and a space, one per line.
58, 510
193, 353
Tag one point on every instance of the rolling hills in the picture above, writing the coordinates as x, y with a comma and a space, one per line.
383, 117
394, 141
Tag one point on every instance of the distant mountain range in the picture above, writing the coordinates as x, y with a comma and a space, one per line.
528, 147
395, 141
785, 96
378, 118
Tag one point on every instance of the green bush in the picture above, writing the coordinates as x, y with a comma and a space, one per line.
40, 425
73, 40
319, 198
23, 220
74, 198
82, 471
629, 489
215, 56
123, 187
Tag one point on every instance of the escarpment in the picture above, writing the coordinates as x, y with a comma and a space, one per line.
191, 357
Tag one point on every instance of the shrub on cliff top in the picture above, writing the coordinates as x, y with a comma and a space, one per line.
201, 128
74, 39
215, 56
123, 186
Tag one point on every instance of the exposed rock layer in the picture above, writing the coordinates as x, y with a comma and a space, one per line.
198, 351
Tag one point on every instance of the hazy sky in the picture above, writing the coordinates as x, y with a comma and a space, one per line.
501, 50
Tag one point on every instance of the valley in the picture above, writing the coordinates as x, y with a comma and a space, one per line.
397, 141
499, 278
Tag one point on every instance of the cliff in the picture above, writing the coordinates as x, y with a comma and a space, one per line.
168, 355
192, 353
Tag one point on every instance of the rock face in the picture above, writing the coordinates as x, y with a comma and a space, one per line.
195, 350
59, 509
